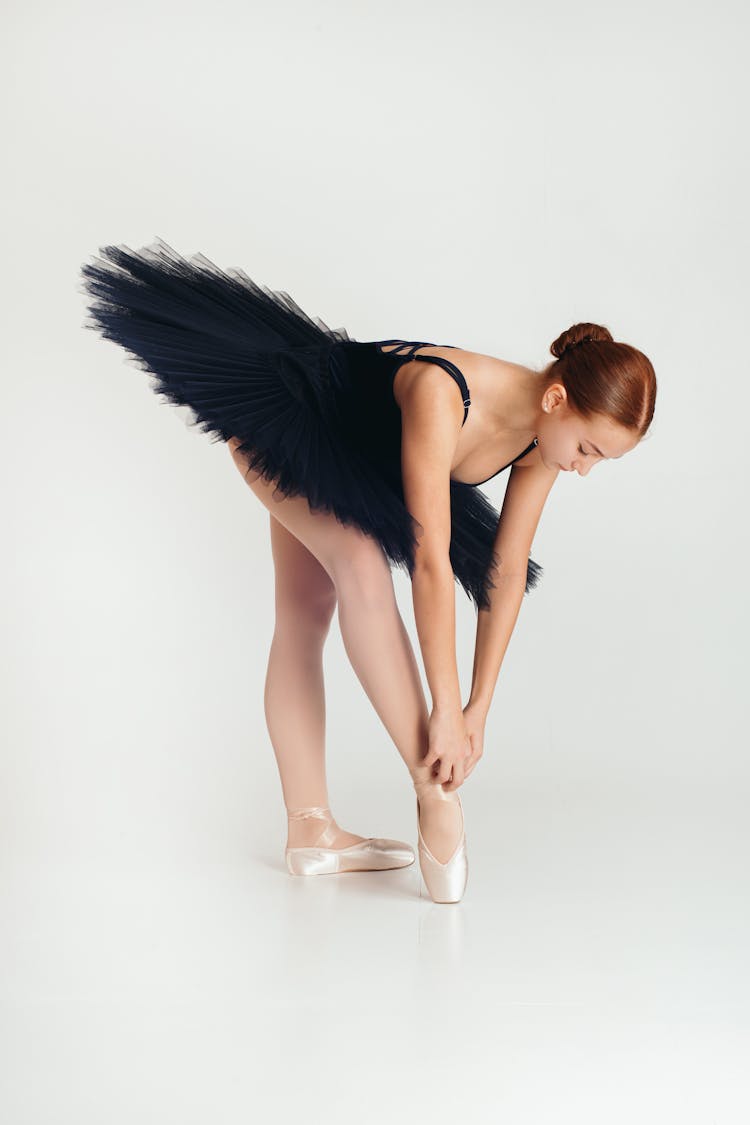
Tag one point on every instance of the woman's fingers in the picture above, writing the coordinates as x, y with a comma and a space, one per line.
457, 776
474, 754
430, 758
470, 762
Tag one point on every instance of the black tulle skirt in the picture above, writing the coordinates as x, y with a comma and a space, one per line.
313, 408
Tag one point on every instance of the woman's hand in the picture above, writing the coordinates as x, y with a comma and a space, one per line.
449, 745
474, 720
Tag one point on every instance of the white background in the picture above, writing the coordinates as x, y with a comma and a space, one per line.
483, 175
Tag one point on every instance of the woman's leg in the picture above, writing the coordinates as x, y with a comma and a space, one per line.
305, 601
378, 647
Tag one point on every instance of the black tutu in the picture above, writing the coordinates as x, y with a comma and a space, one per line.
313, 408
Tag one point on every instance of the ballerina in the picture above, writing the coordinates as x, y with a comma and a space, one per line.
366, 457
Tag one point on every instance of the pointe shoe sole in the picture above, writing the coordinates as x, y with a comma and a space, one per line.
373, 854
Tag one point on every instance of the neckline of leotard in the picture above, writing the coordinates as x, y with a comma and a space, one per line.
413, 346
528, 449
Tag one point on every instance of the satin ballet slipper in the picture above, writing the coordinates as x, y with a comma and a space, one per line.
372, 854
446, 882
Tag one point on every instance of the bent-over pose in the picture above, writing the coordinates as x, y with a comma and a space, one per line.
369, 455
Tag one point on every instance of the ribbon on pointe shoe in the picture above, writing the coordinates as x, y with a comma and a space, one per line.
320, 812
434, 789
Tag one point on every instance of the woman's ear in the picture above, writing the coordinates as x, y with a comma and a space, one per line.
554, 396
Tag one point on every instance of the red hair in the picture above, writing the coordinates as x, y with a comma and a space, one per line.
603, 376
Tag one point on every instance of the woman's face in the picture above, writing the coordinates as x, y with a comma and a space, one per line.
569, 442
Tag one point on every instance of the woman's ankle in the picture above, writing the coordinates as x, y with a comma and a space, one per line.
421, 776
315, 826
440, 816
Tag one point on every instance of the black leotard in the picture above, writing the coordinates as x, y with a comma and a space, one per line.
456, 374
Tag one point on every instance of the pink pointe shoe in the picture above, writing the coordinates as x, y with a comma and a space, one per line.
446, 882
373, 854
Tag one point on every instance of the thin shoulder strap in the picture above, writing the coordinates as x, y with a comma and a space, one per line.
413, 346
528, 449
457, 375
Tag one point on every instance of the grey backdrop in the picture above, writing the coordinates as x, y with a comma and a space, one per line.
482, 175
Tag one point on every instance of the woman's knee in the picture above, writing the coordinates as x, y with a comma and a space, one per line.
363, 574
305, 608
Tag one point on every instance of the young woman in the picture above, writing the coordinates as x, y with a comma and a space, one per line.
368, 455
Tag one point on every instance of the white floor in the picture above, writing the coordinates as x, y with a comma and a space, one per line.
596, 971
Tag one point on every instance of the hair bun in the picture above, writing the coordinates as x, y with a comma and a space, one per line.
579, 334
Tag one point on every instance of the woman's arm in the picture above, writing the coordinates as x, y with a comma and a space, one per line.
525, 497
431, 418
